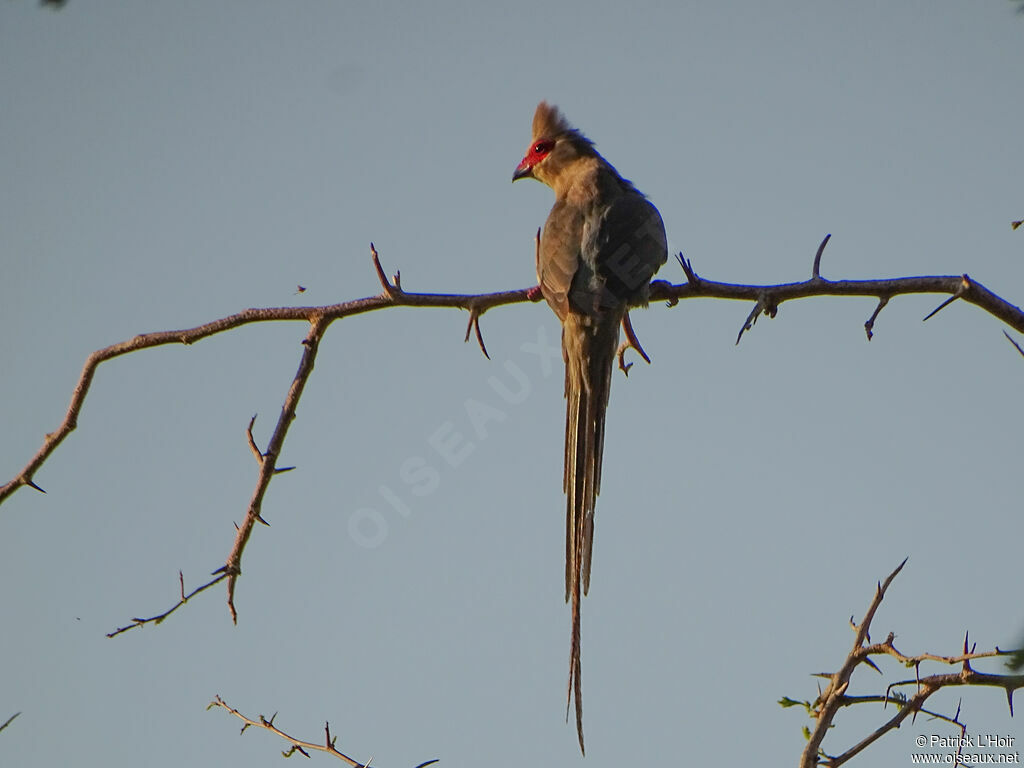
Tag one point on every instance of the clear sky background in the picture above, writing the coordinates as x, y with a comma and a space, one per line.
165, 165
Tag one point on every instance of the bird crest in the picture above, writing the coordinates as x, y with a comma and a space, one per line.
549, 122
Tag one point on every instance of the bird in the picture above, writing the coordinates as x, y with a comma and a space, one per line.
599, 249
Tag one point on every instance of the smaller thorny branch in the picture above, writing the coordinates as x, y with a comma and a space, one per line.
297, 745
824, 709
766, 298
9, 720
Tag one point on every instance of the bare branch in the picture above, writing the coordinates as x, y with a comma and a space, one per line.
297, 745
9, 720
767, 295
233, 566
767, 299
824, 709
219, 575
311, 314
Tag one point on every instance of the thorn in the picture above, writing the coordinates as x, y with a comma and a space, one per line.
870, 663
181, 581
1010, 339
391, 291
1009, 700
965, 283
252, 441
816, 269
30, 484
474, 325
260, 519
279, 470
1015, 224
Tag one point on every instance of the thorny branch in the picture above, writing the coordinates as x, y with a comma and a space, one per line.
219, 576
766, 298
823, 710
9, 720
297, 745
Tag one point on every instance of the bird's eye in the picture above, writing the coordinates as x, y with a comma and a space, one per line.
542, 147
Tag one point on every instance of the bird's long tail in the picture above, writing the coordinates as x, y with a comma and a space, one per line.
589, 346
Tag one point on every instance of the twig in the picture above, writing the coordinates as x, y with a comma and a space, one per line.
834, 697
297, 745
9, 720
869, 326
219, 576
391, 290
233, 566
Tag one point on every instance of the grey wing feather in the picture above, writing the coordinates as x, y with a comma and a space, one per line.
629, 247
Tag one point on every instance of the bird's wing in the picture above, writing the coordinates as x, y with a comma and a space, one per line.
628, 248
558, 257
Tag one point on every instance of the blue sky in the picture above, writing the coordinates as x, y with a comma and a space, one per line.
164, 166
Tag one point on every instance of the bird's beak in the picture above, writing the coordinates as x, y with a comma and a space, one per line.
523, 171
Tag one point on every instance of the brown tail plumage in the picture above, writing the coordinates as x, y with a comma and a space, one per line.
589, 345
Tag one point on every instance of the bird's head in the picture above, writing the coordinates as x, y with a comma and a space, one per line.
555, 146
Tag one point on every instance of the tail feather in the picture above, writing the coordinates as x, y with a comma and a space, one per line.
588, 345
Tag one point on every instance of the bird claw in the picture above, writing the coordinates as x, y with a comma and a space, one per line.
631, 342
535, 293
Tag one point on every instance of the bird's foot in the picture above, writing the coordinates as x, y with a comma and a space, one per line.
631, 342
535, 293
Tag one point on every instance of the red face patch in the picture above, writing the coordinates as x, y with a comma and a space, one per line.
537, 152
